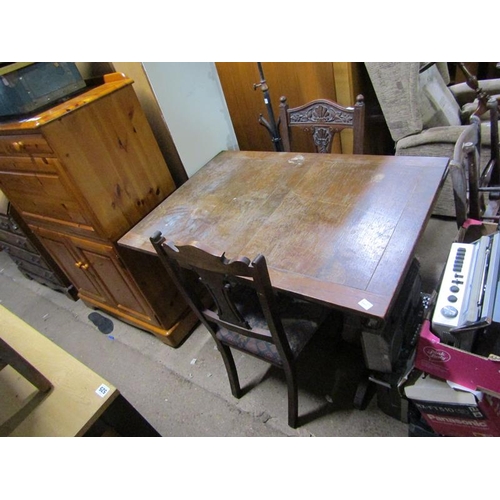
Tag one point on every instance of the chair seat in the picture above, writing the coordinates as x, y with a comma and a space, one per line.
300, 319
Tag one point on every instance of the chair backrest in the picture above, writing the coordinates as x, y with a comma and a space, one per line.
491, 176
323, 118
438, 106
396, 87
470, 180
465, 175
413, 96
234, 286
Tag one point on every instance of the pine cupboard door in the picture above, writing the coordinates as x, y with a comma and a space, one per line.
114, 279
99, 274
68, 258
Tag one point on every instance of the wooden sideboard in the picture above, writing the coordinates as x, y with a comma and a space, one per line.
81, 174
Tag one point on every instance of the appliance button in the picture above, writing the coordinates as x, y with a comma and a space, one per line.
449, 311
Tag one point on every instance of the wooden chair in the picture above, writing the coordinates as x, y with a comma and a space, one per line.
323, 119
470, 184
489, 181
249, 316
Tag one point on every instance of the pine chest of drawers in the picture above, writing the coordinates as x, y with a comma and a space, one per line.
81, 175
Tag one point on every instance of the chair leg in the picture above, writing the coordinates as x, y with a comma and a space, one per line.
293, 397
232, 374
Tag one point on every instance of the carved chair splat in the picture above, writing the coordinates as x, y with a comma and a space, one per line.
323, 118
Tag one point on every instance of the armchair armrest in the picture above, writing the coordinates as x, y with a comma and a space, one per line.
436, 135
464, 94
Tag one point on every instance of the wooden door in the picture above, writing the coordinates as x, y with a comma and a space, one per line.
98, 273
300, 82
70, 261
113, 278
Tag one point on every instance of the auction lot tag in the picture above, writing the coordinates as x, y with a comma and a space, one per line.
365, 304
102, 390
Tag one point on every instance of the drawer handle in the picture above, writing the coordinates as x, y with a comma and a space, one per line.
18, 146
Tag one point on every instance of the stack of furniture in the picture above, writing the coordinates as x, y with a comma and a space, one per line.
81, 174
426, 115
454, 389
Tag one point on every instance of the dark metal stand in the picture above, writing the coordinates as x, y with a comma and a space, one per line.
272, 126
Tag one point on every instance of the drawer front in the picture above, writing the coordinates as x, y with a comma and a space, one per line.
4, 222
17, 241
43, 272
7, 224
24, 145
14, 228
20, 253
41, 195
12, 164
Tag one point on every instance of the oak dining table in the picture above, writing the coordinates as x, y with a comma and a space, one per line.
337, 229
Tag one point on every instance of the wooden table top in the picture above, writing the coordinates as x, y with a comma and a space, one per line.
338, 229
79, 396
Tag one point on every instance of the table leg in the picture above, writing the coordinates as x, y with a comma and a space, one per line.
8, 356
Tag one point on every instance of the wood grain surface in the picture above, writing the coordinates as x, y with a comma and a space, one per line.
338, 229
69, 408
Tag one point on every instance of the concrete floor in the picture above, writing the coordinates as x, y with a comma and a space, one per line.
185, 391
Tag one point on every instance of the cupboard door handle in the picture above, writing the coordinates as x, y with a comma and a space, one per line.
78, 264
18, 146
84, 266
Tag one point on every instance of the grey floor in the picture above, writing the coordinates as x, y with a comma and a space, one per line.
185, 391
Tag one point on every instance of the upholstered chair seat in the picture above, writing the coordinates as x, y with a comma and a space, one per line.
300, 321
